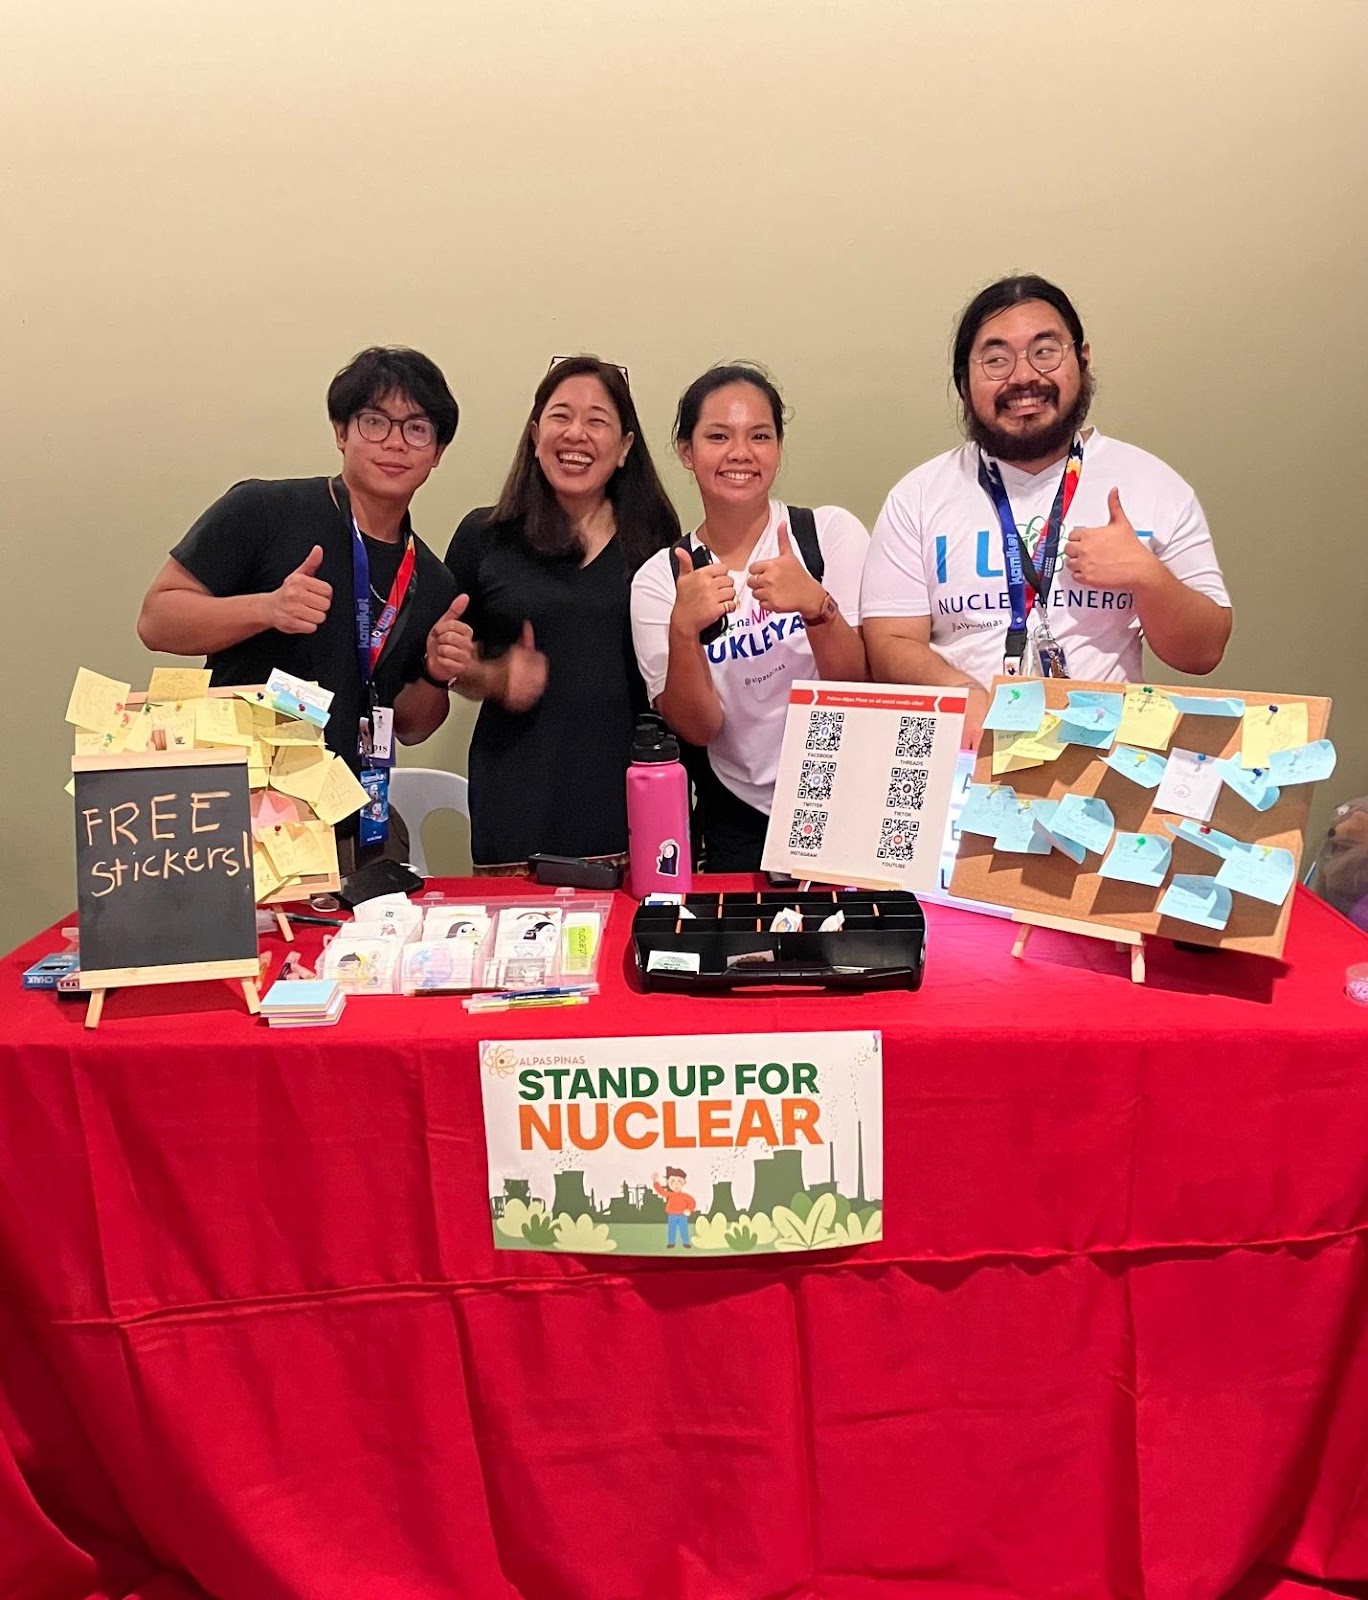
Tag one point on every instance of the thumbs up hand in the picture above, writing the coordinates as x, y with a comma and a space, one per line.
783, 583
1112, 556
450, 643
524, 673
702, 595
301, 603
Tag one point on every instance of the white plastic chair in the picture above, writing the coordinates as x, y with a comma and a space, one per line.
415, 793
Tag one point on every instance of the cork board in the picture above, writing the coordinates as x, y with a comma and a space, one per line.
1053, 886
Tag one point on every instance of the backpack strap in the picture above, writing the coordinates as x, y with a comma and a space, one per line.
803, 527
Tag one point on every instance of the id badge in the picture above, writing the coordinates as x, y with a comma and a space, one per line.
374, 824
1049, 655
382, 734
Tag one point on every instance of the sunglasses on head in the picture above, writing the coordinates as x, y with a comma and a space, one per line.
615, 365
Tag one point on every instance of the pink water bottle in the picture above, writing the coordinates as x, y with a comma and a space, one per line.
658, 812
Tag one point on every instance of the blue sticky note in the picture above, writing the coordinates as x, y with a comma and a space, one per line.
1145, 767
1263, 871
1212, 840
1017, 707
985, 807
1193, 898
1093, 710
1084, 819
1044, 815
1138, 858
1199, 705
1254, 785
1307, 763
1018, 833
1092, 738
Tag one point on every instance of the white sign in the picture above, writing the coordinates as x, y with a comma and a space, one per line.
865, 781
694, 1146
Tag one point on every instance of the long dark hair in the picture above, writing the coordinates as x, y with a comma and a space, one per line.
644, 518
996, 298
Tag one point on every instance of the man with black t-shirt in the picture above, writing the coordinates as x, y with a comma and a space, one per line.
268, 576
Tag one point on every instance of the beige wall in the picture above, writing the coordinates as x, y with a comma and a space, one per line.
208, 207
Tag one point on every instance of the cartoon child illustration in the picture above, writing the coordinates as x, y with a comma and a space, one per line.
667, 862
679, 1206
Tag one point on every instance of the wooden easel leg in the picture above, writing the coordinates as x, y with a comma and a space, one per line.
1137, 963
1019, 948
251, 996
96, 1006
286, 931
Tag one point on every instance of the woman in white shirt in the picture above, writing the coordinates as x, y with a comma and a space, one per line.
786, 612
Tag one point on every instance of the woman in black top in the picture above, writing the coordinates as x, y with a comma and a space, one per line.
549, 572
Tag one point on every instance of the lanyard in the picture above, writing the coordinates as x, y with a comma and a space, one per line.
1027, 579
371, 636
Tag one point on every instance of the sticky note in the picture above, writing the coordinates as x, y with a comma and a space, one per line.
173, 725
1212, 840
1093, 710
291, 733
1045, 744
178, 683
69, 787
1090, 738
96, 703
138, 730
1265, 872
339, 795
1205, 705
1191, 785
1017, 833
985, 807
270, 808
1044, 815
301, 771
1193, 898
266, 880
1138, 858
1254, 785
1084, 820
1144, 767
222, 721
1308, 763
296, 697
1007, 757
1266, 728
1148, 718
1017, 707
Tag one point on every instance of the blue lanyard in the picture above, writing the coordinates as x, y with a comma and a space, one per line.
1019, 566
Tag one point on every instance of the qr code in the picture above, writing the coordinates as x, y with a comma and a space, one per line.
916, 735
897, 840
907, 788
824, 731
816, 779
807, 829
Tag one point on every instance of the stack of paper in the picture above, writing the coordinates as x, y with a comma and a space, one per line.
302, 1003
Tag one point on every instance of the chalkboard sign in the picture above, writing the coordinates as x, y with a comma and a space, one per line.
164, 881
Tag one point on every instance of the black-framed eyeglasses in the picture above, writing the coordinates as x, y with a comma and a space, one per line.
1044, 354
615, 365
375, 427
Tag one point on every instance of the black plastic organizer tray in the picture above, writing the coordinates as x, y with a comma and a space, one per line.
881, 946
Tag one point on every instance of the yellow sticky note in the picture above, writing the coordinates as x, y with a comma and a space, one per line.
1007, 754
1265, 729
300, 849
301, 770
1148, 719
266, 879
1045, 744
340, 795
178, 683
291, 733
173, 726
138, 732
223, 721
319, 848
96, 703
69, 787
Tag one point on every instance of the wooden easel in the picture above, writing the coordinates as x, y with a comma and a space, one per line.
99, 984
1122, 938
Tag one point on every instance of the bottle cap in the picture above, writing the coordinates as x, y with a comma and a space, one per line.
653, 741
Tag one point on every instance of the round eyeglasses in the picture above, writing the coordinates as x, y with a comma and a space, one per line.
1044, 355
375, 427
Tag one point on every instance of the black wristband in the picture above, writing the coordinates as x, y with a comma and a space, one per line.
437, 683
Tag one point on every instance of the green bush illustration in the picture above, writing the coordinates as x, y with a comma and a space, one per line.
582, 1235
748, 1233
817, 1228
529, 1224
710, 1233
860, 1227
802, 1203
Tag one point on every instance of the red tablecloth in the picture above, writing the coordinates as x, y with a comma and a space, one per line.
255, 1340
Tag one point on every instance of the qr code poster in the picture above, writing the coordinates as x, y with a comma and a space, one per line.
865, 783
